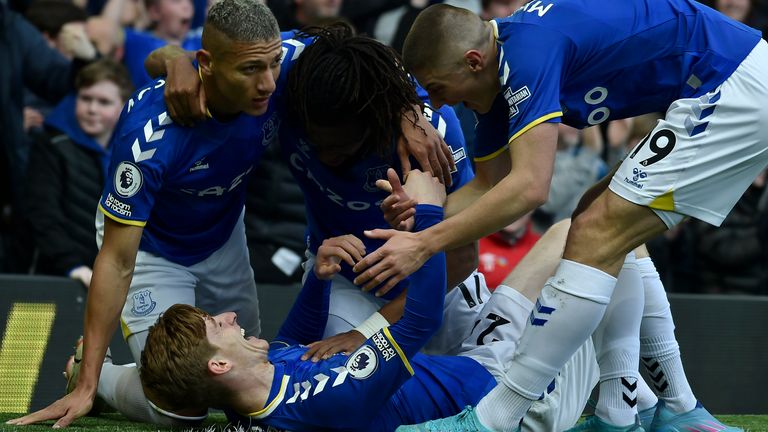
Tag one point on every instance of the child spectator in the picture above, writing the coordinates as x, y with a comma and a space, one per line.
66, 172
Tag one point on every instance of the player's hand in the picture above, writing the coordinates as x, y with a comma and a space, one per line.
64, 411
398, 208
333, 251
422, 141
184, 93
423, 188
343, 342
402, 254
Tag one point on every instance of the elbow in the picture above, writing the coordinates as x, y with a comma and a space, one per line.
536, 195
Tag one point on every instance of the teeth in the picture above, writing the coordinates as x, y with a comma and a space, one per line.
242, 332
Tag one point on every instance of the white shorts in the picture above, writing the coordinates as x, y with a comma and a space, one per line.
220, 283
493, 342
350, 306
705, 153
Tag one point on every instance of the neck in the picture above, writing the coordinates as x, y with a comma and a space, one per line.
251, 388
219, 109
170, 39
103, 139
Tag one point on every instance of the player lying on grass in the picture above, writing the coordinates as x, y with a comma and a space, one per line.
194, 359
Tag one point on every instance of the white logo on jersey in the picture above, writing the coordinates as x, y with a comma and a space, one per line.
128, 179
362, 363
296, 52
373, 174
302, 390
535, 6
383, 345
131, 103
199, 165
269, 130
516, 98
458, 155
150, 134
117, 206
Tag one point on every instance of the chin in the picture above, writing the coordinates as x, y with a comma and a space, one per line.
255, 111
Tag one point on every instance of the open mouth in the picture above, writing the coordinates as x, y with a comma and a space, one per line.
242, 332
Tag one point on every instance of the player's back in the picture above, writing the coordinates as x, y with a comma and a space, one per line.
620, 59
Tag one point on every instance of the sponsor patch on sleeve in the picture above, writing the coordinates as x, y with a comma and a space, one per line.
362, 363
128, 179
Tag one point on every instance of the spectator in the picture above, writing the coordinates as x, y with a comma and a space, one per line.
67, 169
499, 8
742, 11
501, 251
295, 14
732, 258
577, 166
26, 60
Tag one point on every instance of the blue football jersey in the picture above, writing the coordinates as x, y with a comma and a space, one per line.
139, 44
185, 186
348, 202
385, 382
373, 389
584, 62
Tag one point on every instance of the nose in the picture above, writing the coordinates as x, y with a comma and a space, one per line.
266, 82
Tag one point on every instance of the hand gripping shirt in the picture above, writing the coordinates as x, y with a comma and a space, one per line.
584, 62
348, 202
384, 383
185, 186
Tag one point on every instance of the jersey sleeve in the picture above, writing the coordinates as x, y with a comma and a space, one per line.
308, 316
449, 128
530, 71
141, 153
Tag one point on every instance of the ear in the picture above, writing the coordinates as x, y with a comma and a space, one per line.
475, 60
205, 61
219, 366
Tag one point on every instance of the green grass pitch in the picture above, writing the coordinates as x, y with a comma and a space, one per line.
217, 422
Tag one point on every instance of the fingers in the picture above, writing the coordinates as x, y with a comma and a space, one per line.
378, 279
345, 342
445, 157
48, 413
402, 153
384, 185
434, 164
394, 181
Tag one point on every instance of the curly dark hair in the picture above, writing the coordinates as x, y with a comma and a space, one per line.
354, 85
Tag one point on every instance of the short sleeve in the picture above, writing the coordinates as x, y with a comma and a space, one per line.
136, 172
530, 71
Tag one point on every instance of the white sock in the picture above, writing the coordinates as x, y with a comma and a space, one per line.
617, 347
646, 398
568, 310
659, 350
120, 387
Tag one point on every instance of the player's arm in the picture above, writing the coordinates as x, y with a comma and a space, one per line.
112, 272
491, 202
184, 95
307, 318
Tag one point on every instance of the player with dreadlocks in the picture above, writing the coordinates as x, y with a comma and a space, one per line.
345, 102
350, 93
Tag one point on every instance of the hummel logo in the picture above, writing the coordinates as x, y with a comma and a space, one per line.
199, 165
638, 174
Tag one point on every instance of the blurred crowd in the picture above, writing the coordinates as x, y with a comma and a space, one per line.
67, 67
